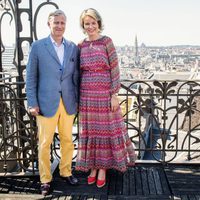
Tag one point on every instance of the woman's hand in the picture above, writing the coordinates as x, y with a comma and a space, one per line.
114, 103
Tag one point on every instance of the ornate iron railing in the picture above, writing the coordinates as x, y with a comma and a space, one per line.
18, 138
20, 17
162, 119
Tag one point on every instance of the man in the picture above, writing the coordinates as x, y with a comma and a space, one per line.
52, 93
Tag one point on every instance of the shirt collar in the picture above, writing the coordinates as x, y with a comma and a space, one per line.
54, 42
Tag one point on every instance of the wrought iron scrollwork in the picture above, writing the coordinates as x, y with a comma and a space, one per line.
18, 139
163, 125
17, 128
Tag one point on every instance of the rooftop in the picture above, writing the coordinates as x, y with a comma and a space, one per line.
144, 181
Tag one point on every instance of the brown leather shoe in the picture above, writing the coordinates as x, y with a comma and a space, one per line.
45, 188
72, 180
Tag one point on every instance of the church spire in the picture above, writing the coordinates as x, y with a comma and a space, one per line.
136, 47
137, 60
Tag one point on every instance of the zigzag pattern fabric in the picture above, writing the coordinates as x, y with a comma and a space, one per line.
103, 141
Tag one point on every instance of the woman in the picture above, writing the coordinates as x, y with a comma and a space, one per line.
103, 142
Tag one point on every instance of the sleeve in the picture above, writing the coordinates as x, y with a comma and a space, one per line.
114, 66
32, 77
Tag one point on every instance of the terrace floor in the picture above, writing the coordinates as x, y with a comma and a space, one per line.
144, 181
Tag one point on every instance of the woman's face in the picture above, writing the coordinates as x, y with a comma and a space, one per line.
91, 26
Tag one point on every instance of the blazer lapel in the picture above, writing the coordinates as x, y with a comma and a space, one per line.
67, 55
51, 49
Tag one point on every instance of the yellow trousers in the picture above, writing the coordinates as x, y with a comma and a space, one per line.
46, 130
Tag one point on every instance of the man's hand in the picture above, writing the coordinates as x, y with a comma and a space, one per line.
34, 111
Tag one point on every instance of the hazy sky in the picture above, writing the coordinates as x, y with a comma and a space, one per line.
155, 22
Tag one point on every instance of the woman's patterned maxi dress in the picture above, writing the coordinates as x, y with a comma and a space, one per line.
103, 141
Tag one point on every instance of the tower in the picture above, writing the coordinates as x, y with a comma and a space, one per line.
136, 47
136, 56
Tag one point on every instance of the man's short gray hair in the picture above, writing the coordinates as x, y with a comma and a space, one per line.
56, 13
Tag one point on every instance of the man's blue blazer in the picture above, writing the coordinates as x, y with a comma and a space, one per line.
46, 81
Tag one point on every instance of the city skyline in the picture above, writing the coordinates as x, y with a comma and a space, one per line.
155, 22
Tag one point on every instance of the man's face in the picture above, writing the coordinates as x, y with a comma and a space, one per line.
57, 25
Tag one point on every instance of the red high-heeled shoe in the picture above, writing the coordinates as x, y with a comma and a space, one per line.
101, 183
91, 180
